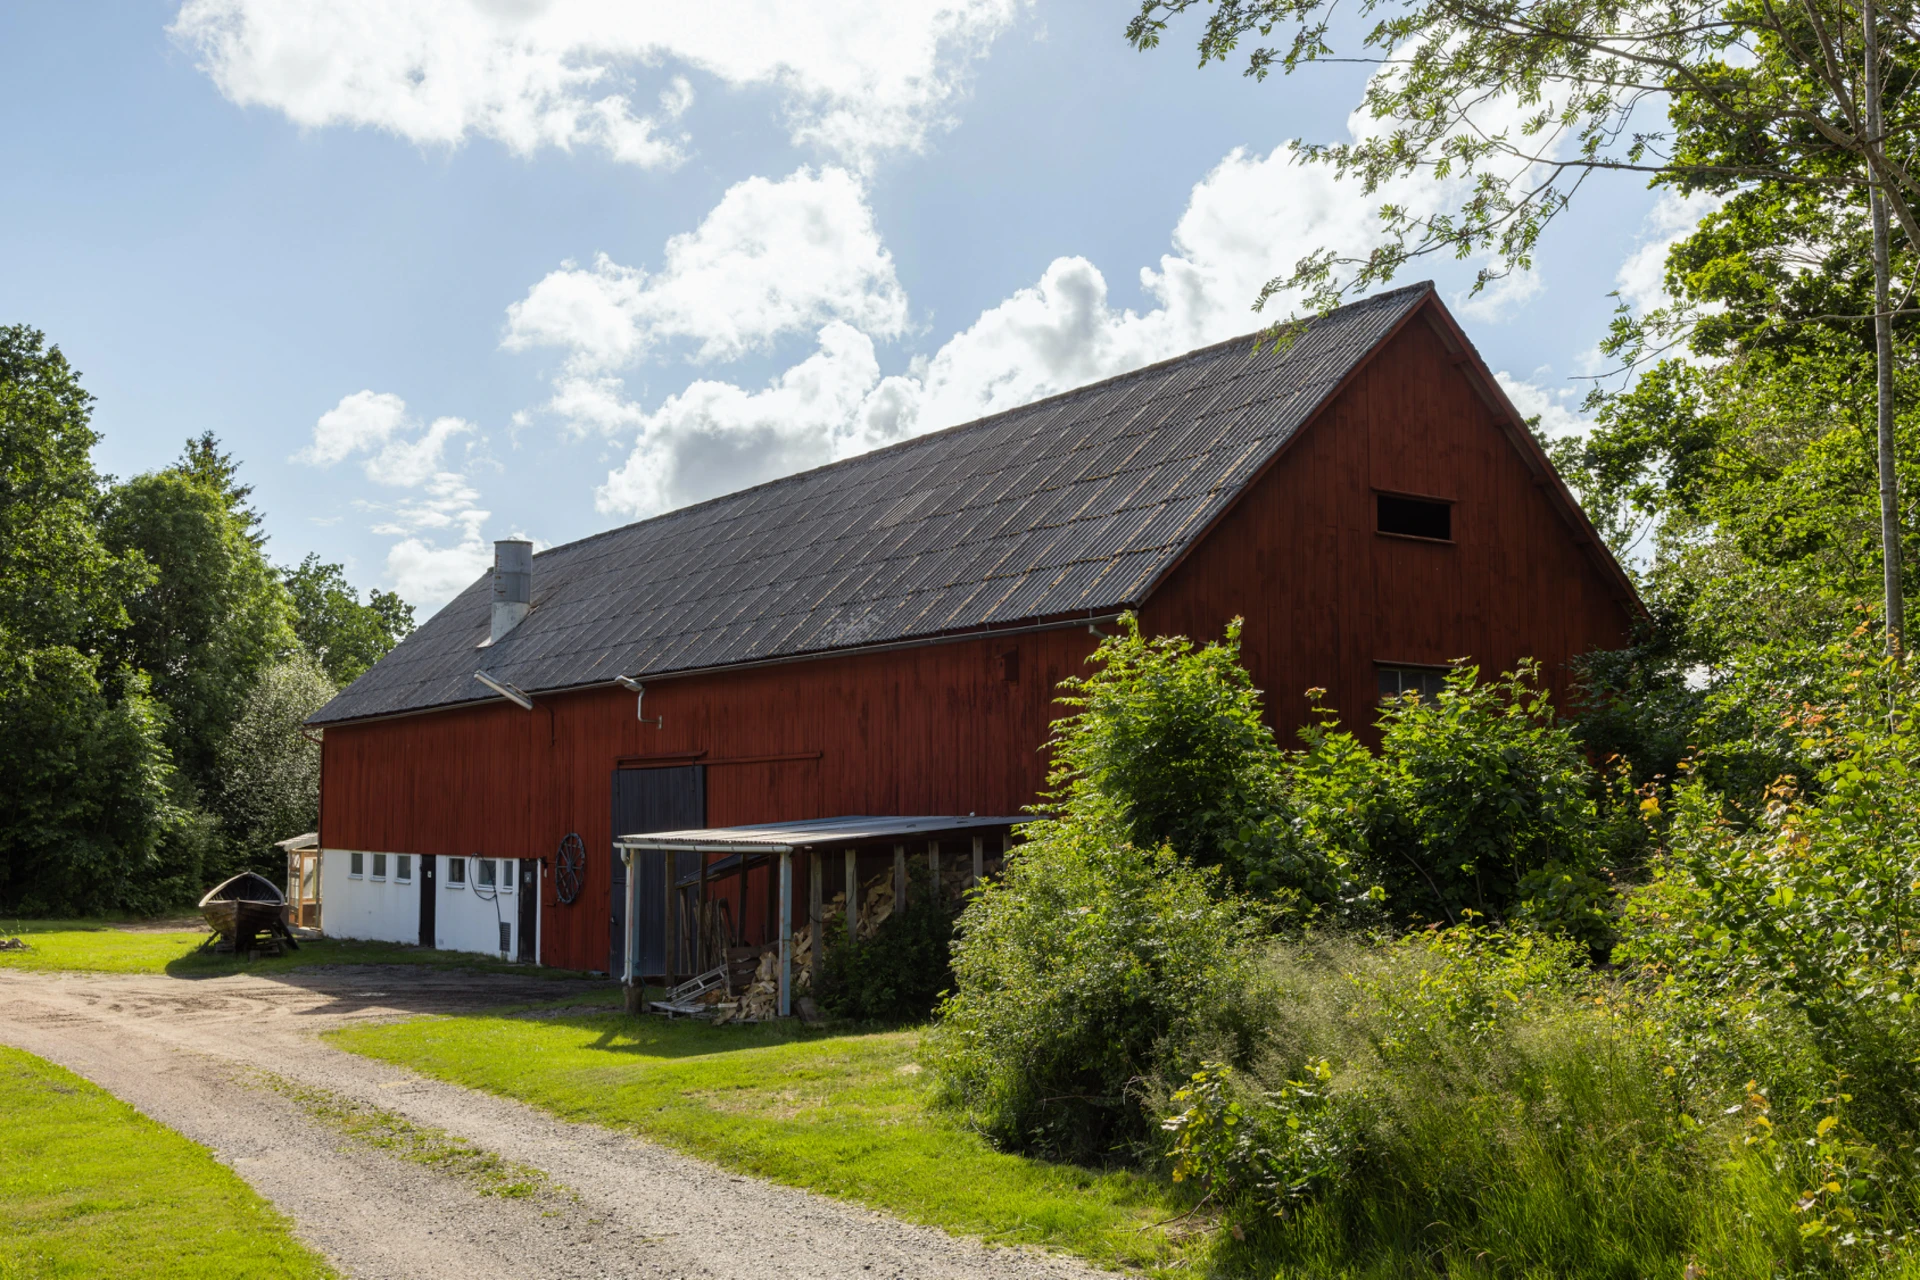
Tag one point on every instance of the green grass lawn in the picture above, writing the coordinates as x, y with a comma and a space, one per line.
90, 1187
841, 1114
109, 947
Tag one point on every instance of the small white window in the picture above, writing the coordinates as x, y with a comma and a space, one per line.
456, 873
483, 873
356, 865
1425, 681
403, 867
379, 866
509, 868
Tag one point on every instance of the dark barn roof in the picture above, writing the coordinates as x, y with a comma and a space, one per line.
1073, 505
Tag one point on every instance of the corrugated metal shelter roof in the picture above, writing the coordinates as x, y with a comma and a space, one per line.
830, 833
1072, 506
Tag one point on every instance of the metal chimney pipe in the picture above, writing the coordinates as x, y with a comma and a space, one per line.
512, 584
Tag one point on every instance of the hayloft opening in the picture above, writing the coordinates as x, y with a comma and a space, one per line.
1415, 518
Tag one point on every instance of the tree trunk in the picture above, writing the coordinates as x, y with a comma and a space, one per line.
1883, 345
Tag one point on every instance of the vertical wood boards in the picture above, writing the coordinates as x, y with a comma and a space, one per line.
1514, 582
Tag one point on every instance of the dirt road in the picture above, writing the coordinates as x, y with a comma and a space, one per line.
194, 1055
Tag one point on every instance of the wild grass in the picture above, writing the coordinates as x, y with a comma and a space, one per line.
1450, 1109
90, 1187
100, 946
487, 1172
842, 1114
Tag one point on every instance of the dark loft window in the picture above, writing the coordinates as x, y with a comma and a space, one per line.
1425, 681
1415, 518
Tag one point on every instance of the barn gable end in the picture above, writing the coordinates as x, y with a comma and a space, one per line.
1423, 418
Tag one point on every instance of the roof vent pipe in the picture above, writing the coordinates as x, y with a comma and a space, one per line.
512, 584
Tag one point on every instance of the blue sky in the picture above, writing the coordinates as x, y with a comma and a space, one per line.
443, 272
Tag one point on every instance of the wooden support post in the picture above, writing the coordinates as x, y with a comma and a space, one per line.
785, 892
816, 917
979, 862
853, 896
933, 868
703, 923
740, 925
778, 891
670, 911
899, 877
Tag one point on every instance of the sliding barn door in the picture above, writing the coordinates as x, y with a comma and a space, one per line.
651, 800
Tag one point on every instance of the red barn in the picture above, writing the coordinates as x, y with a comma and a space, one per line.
883, 636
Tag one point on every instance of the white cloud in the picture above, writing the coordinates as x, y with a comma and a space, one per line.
1642, 277
804, 254
726, 286
440, 548
856, 79
715, 437
427, 572
1501, 298
360, 421
773, 257
374, 423
1557, 407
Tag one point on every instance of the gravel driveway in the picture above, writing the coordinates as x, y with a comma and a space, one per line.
194, 1054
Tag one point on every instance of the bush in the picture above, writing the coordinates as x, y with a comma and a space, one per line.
901, 972
1813, 903
88, 814
1088, 968
1478, 801
1167, 746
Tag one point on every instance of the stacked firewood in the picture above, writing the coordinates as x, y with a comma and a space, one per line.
760, 1000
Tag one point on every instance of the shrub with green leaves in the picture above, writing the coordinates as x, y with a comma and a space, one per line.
1477, 803
901, 972
1166, 745
1089, 967
1813, 902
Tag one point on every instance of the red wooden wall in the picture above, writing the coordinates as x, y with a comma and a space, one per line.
928, 730
1326, 598
940, 729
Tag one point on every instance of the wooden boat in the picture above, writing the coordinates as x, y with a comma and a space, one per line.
244, 907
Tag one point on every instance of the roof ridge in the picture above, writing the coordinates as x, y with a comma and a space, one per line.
1073, 502
972, 423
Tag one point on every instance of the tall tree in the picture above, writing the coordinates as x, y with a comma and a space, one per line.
345, 635
87, 810
1804, 93
60, 584
215, 613
269, 772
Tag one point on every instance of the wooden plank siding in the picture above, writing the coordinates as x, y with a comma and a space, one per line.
936, 729
940, 729
1325, 597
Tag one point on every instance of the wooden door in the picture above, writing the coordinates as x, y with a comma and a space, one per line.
647, 800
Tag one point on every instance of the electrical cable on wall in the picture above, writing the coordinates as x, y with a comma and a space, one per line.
500, 923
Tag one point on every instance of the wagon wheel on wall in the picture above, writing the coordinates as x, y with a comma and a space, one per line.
569, 862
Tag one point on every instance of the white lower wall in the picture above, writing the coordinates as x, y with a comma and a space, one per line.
467, 916
366, 908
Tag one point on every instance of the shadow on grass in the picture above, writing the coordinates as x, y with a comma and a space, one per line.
323, 952
655, 1036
